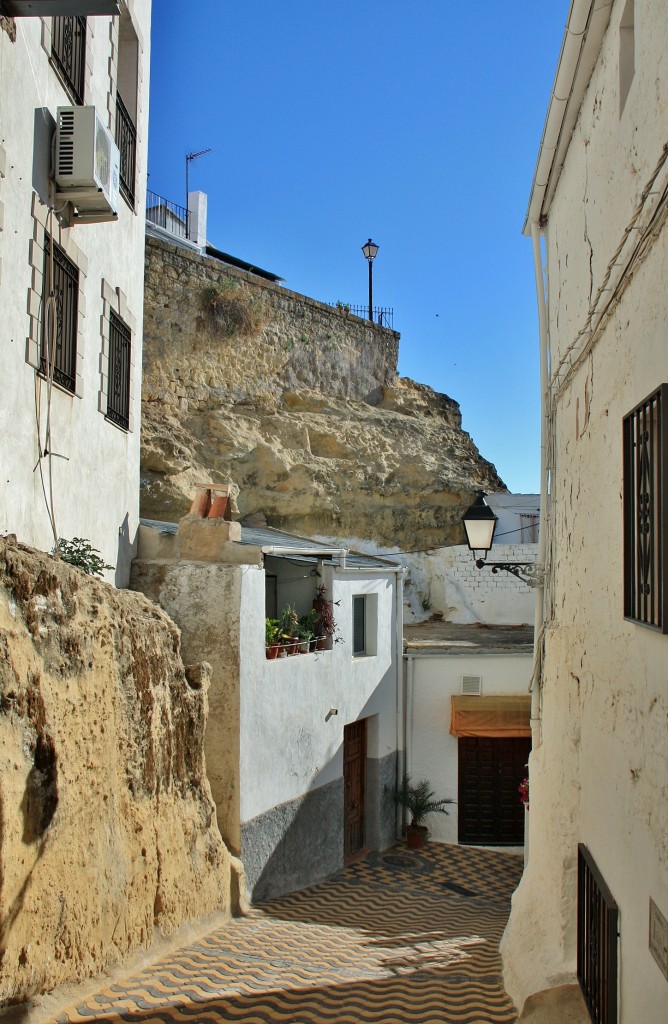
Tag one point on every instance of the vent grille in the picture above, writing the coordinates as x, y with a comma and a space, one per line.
66, 147
471, 686
102, 155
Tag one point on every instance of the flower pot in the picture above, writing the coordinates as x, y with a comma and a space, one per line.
320, 642
304, 647
272, 651
416, 836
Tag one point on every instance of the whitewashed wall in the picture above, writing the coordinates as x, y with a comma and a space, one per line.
288, 745
600, 775
435, 679
448, 581
96, 470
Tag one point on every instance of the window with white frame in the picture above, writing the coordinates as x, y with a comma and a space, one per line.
365, 625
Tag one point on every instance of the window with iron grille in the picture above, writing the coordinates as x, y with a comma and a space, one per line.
58, 354
118, 393
68, 53
597, 935
645, 447
126, 140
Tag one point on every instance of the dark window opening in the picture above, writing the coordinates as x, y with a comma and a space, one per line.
68, 53
359, 625
645, 453
58, 355
118, 393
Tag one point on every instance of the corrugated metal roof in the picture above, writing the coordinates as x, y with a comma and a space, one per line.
300, 547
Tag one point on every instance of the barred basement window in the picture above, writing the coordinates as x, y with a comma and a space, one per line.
645, 435
58, 354
68, 53
118, 395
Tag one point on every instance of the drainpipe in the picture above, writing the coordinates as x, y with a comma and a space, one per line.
536, 679
399, 655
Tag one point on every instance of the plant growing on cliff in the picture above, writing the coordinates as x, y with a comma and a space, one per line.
231, 309
80, 553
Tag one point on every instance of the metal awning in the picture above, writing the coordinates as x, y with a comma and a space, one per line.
491, 716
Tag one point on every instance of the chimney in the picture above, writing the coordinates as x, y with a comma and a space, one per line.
208, 527
197, 203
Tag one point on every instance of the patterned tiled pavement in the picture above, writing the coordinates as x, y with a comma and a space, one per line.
399, 937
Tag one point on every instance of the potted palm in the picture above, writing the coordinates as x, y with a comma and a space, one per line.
287, 625
419, 800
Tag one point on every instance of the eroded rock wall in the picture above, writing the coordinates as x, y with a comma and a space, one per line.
107, 827
299, 406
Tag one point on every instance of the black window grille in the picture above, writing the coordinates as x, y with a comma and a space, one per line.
645, 452
68, 52
597, 941
58, 356
118, 393
126, 140
359, 624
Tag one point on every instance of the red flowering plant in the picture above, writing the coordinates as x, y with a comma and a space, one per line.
523, 790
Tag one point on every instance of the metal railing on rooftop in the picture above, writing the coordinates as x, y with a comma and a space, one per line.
166, 214
381, 315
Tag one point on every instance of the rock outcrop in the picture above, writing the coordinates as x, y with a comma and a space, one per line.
297, 404
108, 832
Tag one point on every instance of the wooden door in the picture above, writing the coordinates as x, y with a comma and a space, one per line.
354, 784
489, 805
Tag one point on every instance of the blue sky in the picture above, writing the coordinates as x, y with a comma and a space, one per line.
417, 125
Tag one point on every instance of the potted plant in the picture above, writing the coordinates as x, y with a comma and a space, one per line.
419, 800
309, 626
287, 625
272, 635
326, 624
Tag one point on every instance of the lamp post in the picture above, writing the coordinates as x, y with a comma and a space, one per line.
480, 523
370, 250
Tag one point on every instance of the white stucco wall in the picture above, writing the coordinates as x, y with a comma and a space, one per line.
289, 745
96, 471
447, 580
433, 751
600, 775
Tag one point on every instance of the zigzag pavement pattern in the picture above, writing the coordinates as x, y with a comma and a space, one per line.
400, 937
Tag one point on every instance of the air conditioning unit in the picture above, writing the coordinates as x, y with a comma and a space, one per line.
87, 163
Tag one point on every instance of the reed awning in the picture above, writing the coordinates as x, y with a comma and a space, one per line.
491, 716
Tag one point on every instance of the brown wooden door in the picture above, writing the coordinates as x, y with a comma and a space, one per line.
354, 782
489, 805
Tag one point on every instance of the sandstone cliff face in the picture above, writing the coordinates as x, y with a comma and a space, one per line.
299, 406
108, 829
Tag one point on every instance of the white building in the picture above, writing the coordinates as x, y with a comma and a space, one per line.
70, 410
593, 902
301, 751
467, 725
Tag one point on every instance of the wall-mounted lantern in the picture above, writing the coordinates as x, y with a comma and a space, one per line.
480, 523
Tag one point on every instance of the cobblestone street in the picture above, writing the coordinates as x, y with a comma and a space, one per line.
401, 936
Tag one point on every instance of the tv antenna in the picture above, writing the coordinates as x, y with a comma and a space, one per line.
189, 159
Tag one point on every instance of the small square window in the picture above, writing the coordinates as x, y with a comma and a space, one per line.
60, 303
118, 394
645, 452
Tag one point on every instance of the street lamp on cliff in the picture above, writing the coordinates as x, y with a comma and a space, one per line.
370, 250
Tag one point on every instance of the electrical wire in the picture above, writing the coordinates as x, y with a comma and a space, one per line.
48, 324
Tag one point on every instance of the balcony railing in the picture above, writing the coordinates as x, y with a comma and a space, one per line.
381, 315
597, 941
126, 140
167, 215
